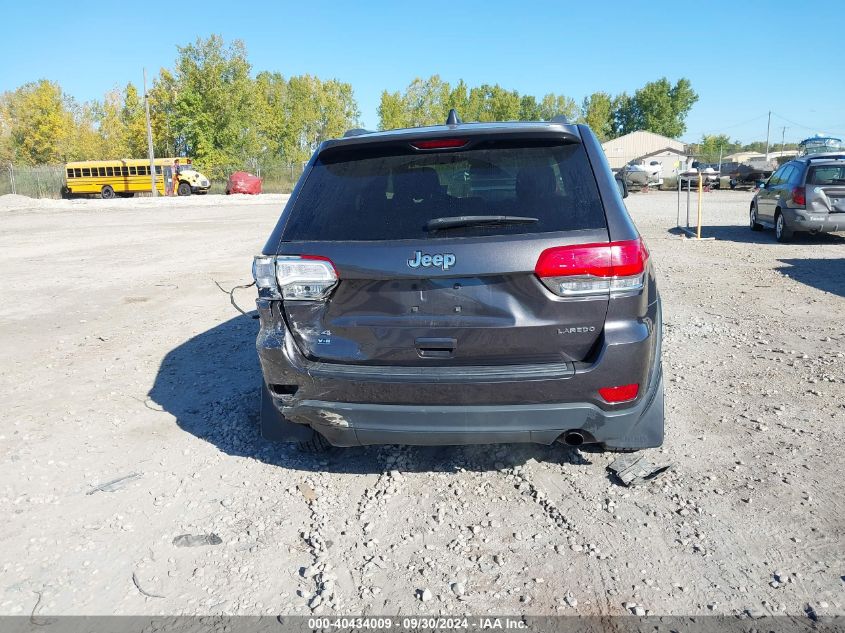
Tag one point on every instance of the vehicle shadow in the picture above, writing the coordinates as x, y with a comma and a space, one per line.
824, 274
744, 235
210, 384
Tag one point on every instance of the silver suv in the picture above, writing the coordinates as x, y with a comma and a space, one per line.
805, 194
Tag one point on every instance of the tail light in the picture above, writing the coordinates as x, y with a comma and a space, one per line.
295, 277
799, 196
593, 269
440, 143
622, 393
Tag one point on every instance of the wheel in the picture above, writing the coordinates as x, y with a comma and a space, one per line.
754, 224
107, 192
315, 445
782, 232
184, 189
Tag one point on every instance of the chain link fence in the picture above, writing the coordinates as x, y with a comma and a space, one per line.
46, 181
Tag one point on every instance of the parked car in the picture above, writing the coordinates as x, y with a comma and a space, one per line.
243, 182
403, 299
804, 195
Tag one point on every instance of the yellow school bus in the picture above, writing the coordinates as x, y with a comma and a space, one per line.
126, 177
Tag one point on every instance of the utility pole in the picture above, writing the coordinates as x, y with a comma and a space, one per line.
782, 136
768, 128
150, 139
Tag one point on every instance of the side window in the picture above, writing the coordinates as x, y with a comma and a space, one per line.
143, 171
109, 171
777, 177
77, 173
797, 175
158, 170
86, 172
787, 175
70, 173
102, 171
133, 171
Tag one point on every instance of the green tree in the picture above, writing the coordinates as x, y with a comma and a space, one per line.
40, 123
625, 117
391, 111
529, 109
316, 110
7, 152
270, 104
708, 150
211, 116
597, 113
426, 101
86, 141
658, 107
555, 105
134, 122
112, 129
492, 103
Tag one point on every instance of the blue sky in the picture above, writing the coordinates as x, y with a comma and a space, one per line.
743, 59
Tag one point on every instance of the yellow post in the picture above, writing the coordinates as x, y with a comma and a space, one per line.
698, 233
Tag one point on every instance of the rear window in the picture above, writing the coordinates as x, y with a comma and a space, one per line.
826, 175
394, 197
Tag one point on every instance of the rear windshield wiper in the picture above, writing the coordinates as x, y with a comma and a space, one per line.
476, 220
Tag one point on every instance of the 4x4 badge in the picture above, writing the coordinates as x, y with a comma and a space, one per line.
440, 260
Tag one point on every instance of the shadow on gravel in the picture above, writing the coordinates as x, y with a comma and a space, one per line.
210, 384
825, 274
744, 235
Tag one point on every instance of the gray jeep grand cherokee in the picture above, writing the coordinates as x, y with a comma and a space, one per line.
459, 284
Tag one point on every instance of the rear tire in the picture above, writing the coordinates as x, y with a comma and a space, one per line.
754, 224
782, 232
184, 189
315, 445
107, 193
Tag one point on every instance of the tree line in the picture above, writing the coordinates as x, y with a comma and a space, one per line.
212, 107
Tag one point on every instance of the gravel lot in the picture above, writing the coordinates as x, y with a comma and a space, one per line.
120, 358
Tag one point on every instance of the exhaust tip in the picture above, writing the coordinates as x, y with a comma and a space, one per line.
573, 438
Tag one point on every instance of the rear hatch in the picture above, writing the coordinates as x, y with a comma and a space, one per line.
434, 245
825, 188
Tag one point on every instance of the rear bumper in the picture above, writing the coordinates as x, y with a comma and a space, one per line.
345, 424
353, 406
799, 220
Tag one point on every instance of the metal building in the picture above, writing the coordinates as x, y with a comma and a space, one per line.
645, 147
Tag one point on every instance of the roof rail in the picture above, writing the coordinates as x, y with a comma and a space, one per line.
453, 118
559, 118
358, 131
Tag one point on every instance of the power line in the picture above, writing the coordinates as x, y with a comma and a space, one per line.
734, 125
805, 127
